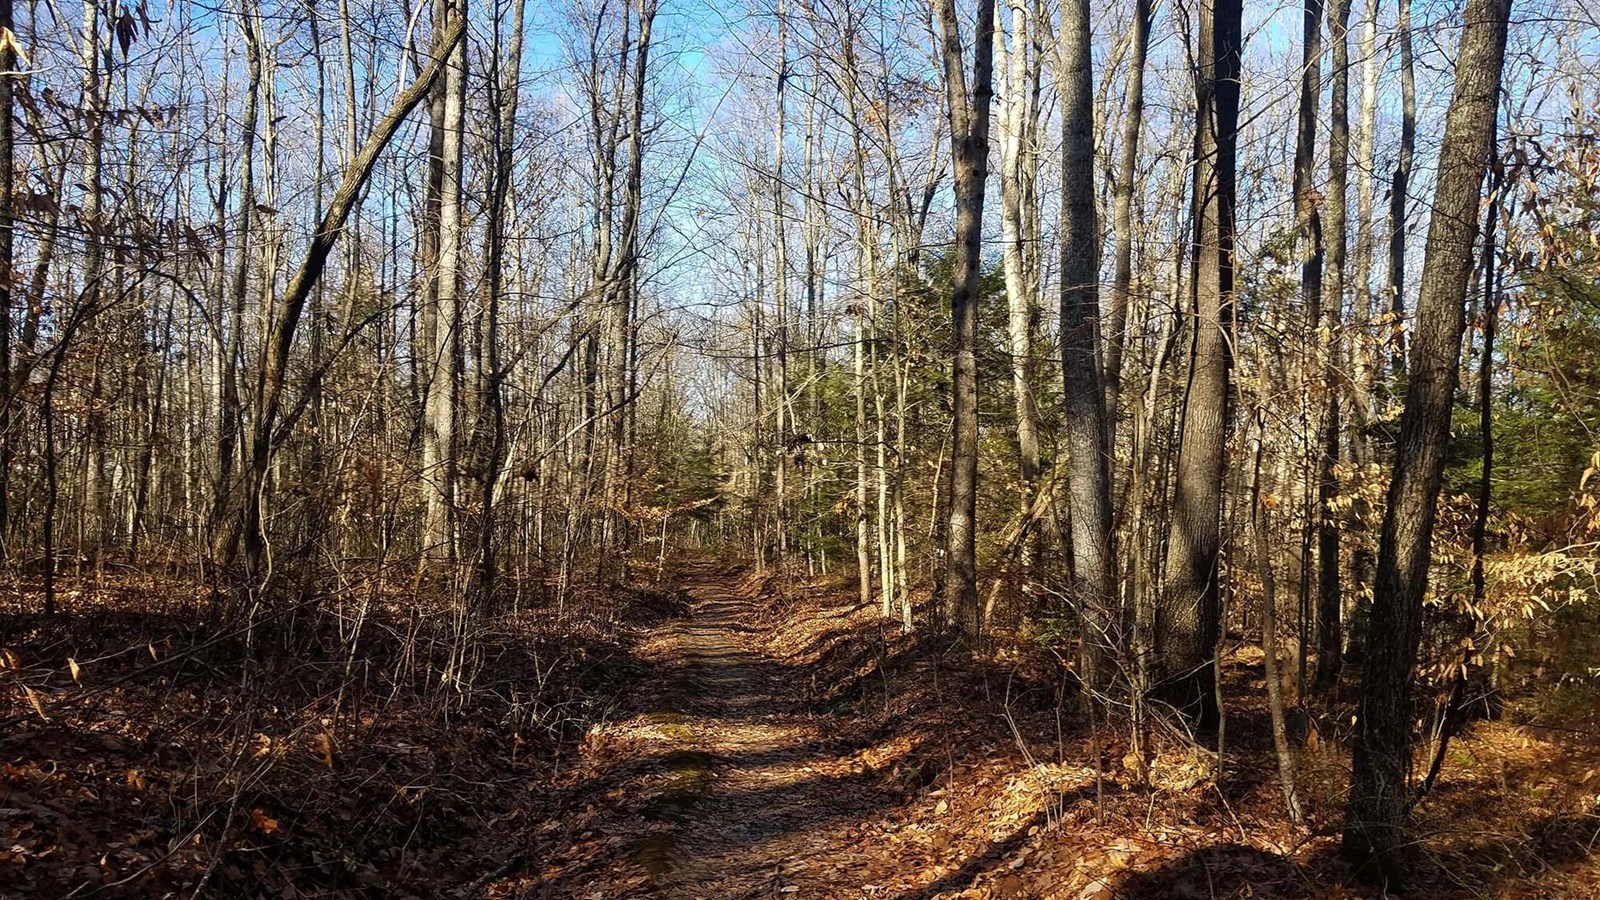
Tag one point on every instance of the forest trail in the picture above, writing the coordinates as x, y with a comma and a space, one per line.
742, 796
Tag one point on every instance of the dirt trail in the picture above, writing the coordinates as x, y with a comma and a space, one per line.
746, 799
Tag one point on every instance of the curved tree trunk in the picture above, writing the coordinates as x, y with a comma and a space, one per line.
1380, 788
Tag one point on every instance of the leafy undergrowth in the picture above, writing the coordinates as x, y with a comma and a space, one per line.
365, 747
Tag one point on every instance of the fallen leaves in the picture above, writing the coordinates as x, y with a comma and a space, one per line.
262, 822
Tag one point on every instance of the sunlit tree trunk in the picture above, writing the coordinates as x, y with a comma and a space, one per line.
1380, 788
444, 312
1088, 442
968, 114
1018, 138
1187, 616
8, 64
1122, 212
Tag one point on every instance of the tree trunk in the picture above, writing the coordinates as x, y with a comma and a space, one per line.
230, 418
1308, 224
1122, 212
444, 351
968, 115
491, 413
1269, 626
1374, 832
1188, 616
1089, 477
1330, 637
8, 64
1399, 188
1017, 150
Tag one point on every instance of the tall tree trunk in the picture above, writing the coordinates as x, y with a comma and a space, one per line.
444, 350
1188, 615
8, 172
1017, 150
780, 287
96, 88
968, 114
1361, 264
491, 413
230, 417
1089, 476
1269, 624
1308, 223
626, 285
1365, 349
1399, 188
1374, 832
862, 524
1330, 637
1122, 212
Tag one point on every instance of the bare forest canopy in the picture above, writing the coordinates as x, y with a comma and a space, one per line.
1226, 356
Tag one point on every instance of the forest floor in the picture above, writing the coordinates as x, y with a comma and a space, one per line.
798, 747
721, 737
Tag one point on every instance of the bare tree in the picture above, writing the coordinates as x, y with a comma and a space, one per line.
968, 114
1188, 615
1088, 441
1330, 640
1380, 793
1122, 209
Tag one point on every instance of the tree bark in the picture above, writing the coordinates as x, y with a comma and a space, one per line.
1330, 636
1188, 615
1399, 188
1122, 212
1269, 626
968, 115
1018, 153
444, 350
8, 171
492, 430
1308, 223
1089, 477
1374, 832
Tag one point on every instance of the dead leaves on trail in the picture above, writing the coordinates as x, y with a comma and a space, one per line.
788, 745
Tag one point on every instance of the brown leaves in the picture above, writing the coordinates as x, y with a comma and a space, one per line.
33, 698
261, 822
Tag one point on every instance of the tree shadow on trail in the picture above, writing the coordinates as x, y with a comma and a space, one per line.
1227, 870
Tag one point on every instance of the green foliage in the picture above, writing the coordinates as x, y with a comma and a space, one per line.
1546, 404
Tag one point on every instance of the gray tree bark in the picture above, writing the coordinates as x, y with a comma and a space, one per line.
1188, 613
968, 114
1380, 790
1089, 475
